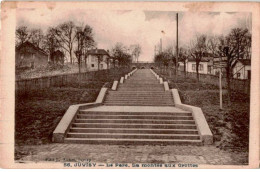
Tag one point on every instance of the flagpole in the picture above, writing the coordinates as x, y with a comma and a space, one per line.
177, 46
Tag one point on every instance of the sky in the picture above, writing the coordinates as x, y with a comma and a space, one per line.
137, 27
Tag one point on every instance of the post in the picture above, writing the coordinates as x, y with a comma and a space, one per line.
220, 89
160, 45
177, 46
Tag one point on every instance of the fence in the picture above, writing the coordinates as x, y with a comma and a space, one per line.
67, 79
239, 85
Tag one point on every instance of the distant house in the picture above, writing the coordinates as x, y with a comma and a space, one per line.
204, 66
29, 56
57, 57
98, 54
242, 69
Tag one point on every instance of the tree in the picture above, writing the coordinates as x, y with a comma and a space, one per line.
163, 59
198, 49
119, 52
236, 45
79, 38
22, 35
51, 43
88, 41
36, 37
183, 56
65, 33
136, 51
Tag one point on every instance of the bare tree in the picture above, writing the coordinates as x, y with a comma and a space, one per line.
51, 43
88, 41
183, 56
37, 37
198, 48
236, 45
84, 39
119, 52
22, 34
136, 51
65, 33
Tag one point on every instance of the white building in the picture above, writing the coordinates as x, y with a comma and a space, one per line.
98, 59
242, 69
205, 66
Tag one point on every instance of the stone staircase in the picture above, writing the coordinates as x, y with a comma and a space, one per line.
142, 89
139, 92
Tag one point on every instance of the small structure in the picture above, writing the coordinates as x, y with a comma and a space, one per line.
29, 56
143, 65
205, 66
57, 57
98, 59
242, 69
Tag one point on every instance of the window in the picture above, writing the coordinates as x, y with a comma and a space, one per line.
193, 67
201, 67
238, 75
209, 69
101, 66
92, 65
92, 59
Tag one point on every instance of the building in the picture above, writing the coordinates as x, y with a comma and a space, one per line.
98, 59
242, 69
205, 66
29, 56
57, 57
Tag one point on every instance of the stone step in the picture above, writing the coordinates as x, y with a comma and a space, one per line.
125, 99
140, 89
134, 117
159, 114
133, 130
159, 101
123, 125
136, 121
141, 85
132, 141
141, 93
133, 136
137, 104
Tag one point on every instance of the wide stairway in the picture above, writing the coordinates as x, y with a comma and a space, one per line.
136, 113
142, 89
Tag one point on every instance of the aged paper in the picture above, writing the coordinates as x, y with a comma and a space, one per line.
37, 133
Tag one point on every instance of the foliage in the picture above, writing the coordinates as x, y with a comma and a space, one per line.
120, 54
136, 51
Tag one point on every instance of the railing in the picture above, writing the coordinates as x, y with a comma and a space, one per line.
25, 85
239, 85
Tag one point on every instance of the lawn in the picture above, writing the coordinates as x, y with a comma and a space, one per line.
38, 112
230, 126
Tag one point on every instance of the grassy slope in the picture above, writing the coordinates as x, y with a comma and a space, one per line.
38, 113
229, 126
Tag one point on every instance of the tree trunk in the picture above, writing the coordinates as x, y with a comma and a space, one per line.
228, 83
70, 56
184, 65
197, 71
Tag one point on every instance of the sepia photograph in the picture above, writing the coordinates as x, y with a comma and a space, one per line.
133, 87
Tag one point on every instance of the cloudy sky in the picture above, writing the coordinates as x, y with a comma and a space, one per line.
137, 27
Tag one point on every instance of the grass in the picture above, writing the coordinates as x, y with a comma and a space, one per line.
38, 113
41, 71
230, 126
